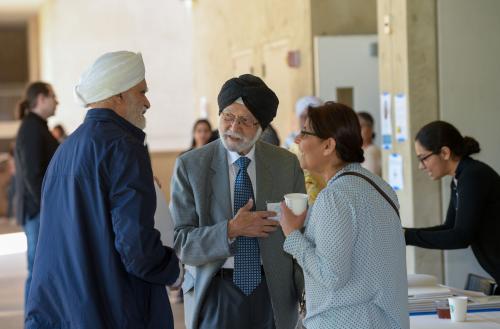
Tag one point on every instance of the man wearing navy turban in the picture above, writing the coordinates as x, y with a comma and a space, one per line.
237, 275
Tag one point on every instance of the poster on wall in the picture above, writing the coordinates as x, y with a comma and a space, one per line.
401, 117
396, 171
385, 120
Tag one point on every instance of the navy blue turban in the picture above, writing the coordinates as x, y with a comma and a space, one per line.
257, 97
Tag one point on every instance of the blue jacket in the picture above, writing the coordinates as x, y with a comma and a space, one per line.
99, 261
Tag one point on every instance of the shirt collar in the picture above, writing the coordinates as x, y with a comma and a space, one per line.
233, 156
110, 115
461, 165
36, 116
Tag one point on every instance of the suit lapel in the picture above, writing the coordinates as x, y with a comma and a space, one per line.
264, 178
220, 182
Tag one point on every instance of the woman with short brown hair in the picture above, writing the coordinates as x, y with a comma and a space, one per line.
352, 250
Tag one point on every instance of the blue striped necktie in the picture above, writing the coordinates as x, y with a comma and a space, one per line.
246, 274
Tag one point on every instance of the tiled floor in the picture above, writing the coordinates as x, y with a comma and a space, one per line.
12, 276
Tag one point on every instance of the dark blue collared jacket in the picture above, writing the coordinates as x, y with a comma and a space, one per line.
99, 261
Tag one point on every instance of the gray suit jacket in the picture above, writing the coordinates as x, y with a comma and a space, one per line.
201, 207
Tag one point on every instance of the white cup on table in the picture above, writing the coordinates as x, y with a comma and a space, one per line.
297, 202
458, 308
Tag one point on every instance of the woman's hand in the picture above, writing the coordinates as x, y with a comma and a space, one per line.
289, 221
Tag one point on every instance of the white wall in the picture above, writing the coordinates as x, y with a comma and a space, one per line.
345, 61
469, 85
74, 33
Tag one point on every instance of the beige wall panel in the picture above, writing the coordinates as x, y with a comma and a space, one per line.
14, 54
163, 166
337, 17
277, 78
223, 28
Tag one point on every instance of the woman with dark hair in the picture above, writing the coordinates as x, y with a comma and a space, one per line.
33, 151
352, 250
59, 133
202, 133
473, 217
373, 156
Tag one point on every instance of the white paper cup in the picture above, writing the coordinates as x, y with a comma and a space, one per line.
297, 202
458, 308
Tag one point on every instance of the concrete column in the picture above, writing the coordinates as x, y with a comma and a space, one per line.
407, 31
33, 49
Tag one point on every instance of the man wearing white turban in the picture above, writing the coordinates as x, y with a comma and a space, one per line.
100, 262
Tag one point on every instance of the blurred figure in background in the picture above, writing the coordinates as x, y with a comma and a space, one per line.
34, 149
59, 133
202, 132
270, 135
373, 156
301, 108
314, 182
11, 187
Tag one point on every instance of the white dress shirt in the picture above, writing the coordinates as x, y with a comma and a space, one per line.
233, 171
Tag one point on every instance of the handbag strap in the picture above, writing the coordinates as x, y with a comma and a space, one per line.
372, 183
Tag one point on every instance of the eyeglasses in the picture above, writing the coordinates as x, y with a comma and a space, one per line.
425, 157
231, 118
305, 132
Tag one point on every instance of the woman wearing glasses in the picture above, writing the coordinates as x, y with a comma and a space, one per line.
473, 217
352, 250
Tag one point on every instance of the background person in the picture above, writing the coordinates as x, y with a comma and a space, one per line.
352, 251
473, 217
33, 151
372, 153
202, 132
314, 182
59, 133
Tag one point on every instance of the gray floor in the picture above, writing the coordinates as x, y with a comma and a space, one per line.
12, 276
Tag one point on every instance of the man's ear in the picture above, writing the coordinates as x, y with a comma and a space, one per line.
118, 99
330, 146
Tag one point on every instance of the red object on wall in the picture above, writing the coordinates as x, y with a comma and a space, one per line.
293, 58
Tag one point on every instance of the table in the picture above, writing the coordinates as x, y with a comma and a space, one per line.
487, 319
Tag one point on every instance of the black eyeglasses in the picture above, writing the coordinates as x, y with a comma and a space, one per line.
305, 132
425, 157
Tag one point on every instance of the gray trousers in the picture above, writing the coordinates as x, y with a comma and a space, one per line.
226, 307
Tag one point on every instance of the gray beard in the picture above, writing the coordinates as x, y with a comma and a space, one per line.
137, 119
242, 146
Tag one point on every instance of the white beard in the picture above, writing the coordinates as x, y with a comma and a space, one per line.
137, 118
243, 145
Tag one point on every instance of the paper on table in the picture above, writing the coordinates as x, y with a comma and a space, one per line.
163, 219
274, 206
396, 171
401, 117
385, 120
419, 280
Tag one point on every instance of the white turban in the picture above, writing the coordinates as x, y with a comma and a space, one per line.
305, 102
111, 74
